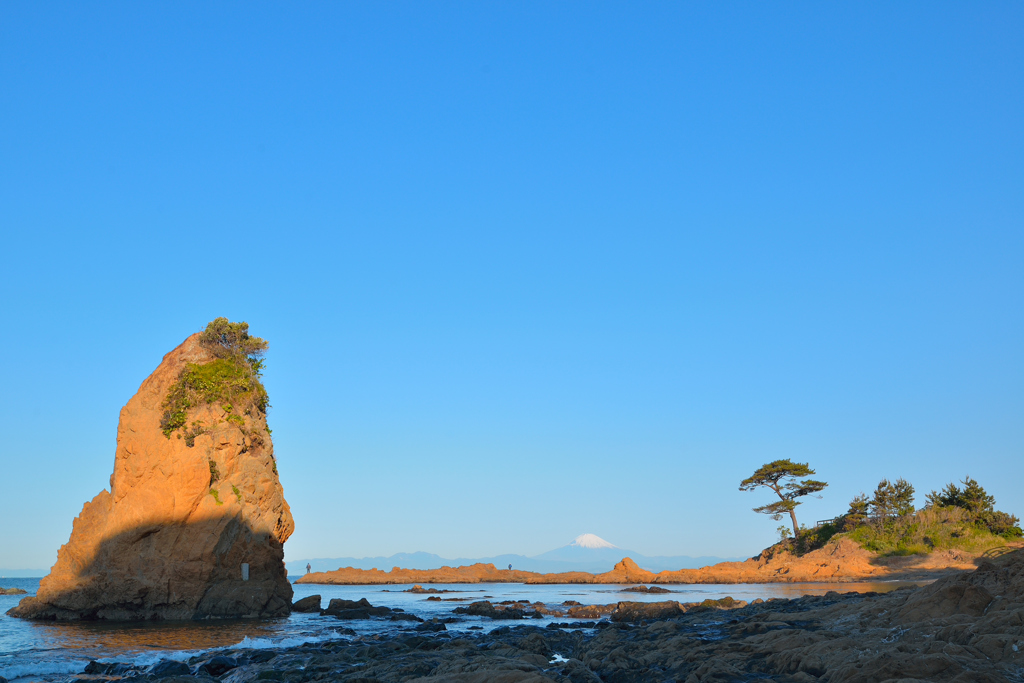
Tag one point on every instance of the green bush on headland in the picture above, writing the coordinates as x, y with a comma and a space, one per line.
926, 530
231, 379
887, 523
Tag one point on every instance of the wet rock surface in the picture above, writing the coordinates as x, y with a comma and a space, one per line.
646, 589
641, 611
484, 608
218, 666
169, 667
968, 628
310, 604
354, 609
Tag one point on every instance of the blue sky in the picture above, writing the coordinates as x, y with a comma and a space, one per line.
528, 270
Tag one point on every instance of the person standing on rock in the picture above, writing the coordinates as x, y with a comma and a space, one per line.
510, 567
308, 567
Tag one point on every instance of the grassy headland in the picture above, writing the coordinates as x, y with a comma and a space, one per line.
954, 519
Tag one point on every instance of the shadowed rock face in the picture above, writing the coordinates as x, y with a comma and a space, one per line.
159, 544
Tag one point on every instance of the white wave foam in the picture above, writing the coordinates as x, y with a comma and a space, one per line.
294, 641
152, 657
41, 668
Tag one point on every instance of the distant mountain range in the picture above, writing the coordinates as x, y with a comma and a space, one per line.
587, 553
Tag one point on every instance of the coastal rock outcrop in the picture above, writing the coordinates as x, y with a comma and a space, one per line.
194, 523
839, 560
355, 609
308, 604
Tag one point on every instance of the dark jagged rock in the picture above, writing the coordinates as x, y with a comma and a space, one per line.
169, 667
709, 604
111, 669
432, 626
261, 656
646, 589
420, 589
484, 608
402, 616
590, 611
338, 604
218, 665
649, 611
310, 604
354, 609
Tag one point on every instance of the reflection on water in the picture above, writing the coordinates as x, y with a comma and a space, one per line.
121, 637
799, 590
52, 651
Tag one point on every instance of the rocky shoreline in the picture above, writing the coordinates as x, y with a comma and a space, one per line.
967, 627
840, 560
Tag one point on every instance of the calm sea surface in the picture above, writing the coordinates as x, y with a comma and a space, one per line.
51, 651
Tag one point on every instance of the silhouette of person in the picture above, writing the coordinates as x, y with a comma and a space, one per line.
308, 567
510, 567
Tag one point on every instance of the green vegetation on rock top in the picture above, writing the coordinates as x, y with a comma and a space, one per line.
231, 340
887, 523
924, 531
231, 379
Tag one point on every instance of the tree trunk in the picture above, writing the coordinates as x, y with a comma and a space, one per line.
796, 528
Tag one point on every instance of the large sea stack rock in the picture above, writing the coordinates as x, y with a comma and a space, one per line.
194, 523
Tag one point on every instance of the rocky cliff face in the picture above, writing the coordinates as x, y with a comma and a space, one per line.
194, 523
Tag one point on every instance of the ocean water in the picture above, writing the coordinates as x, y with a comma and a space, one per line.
54, 652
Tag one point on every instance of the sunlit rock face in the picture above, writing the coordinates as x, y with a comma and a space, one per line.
194, 524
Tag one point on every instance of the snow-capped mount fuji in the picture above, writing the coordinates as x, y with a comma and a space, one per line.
586, 553
591, 553
590, 541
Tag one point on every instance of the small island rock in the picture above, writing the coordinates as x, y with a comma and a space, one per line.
194, 523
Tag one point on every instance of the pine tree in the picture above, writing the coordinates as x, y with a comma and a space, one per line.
891, 500
781, 476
